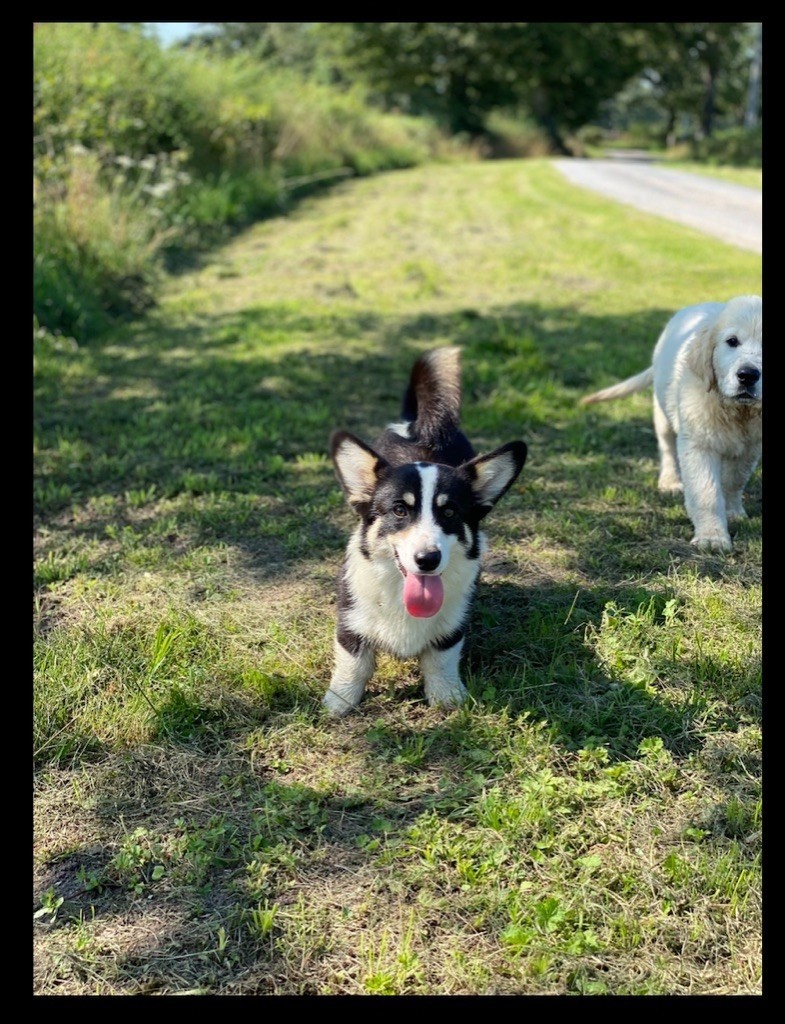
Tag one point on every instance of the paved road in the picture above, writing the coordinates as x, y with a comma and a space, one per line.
733, 213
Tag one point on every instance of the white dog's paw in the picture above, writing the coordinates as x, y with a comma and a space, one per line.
338, 705
670, 485
712, 542
445, 695
736, 512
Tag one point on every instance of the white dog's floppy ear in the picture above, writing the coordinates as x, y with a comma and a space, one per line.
699, 355
357, 466
491, 475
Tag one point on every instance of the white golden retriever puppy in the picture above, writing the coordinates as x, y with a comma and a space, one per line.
707, 374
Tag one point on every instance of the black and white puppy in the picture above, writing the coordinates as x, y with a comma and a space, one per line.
412, 563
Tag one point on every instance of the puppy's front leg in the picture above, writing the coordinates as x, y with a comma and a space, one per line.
735, 476
703, 496
439, 666
354, 664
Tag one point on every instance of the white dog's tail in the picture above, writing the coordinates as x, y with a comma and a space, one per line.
625, 387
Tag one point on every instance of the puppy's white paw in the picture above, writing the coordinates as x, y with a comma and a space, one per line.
445, 695
337, 705
736, 512
670, 485
712, 542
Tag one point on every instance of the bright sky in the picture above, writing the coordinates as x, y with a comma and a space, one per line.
170, 31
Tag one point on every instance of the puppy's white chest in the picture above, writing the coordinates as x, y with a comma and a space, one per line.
377, 611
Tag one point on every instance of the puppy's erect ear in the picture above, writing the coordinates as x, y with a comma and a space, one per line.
358, 467
492, 475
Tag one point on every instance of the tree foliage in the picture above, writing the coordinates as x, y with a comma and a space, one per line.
458, 72
277, 43
560, 74
700, 70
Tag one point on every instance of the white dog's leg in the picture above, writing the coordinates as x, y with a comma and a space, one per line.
735, 475
350, 676
670, 480
443, 686
703, 496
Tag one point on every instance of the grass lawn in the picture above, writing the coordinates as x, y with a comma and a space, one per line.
752, 177
589, 822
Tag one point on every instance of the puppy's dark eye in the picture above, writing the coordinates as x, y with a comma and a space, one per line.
448, 512
733, 341
400, 510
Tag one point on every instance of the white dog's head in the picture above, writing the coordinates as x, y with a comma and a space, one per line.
728, 351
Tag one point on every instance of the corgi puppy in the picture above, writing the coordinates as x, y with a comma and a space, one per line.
412, 563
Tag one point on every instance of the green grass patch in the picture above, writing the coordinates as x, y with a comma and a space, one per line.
752, 177
589, 823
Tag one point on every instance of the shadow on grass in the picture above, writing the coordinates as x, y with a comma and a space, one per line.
230, 447
210, 824
161, 398
244, 837
528, 652
172, 436
241, 438
222, 427
194, 838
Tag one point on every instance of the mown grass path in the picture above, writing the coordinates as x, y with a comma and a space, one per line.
589, 823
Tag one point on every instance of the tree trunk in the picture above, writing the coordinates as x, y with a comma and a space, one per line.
669, 134
753, 89
541, 108
707, 115
462, 117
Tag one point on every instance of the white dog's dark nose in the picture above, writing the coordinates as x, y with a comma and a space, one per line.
428, 560
748, 375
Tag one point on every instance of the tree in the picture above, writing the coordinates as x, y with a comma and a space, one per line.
570, 69
458, 72
454, 72
721, 54
752, 105
278, 43
699, 69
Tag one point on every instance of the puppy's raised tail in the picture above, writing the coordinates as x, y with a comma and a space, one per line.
625, 387
432, 402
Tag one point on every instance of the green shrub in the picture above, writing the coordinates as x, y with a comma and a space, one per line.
516, 136
737, 147
141, 152
226, 200
93, 251
114, 91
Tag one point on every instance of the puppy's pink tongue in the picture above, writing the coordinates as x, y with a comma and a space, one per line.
422, 595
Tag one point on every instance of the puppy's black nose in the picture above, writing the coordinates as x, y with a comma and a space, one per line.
428, 560
748, 375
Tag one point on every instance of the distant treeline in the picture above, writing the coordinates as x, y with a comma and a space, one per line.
685, 79
144, 154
